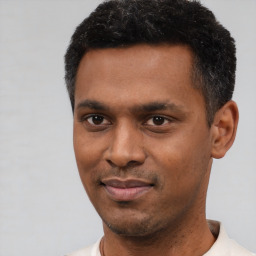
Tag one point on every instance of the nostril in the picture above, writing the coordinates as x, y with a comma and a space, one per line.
123, 155
111, 163
132, 163
125, 165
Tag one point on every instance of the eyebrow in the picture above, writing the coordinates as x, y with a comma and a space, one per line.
156, 106
92, 104
148, 107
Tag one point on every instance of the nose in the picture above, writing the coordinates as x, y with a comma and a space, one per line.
126, 147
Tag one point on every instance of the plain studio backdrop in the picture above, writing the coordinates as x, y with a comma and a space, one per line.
43, 207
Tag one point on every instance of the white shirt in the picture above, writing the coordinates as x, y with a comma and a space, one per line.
223, 246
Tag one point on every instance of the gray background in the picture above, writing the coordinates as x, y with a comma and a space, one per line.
43, 207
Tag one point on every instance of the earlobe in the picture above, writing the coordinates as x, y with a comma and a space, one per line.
224, 129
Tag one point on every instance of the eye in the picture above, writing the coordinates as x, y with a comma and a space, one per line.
157, 121
97, 120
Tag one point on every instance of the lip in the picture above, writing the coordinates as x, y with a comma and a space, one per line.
126, 190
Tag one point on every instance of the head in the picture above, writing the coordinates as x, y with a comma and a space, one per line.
150, 84
123, 23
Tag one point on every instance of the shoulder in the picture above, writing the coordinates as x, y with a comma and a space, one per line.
224, 246
238, 250
92, 250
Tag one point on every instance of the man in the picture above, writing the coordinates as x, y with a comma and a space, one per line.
150, 84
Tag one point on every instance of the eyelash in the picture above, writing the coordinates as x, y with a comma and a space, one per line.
163, 120
87, 117
160, 118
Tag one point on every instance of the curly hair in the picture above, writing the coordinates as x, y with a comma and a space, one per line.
124, 23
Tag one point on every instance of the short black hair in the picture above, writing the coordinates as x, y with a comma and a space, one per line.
124, 23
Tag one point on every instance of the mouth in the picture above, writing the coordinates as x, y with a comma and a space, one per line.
125, 190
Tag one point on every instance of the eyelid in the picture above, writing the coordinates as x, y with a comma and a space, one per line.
166, 120
85, 118
107, 121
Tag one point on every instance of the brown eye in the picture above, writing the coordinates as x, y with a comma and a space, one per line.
97, 120
158, 120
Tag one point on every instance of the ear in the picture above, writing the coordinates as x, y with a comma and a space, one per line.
224, 129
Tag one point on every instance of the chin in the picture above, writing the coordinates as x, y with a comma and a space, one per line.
128, 230
134, 227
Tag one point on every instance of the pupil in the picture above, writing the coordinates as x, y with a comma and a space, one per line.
97, 119
158, 120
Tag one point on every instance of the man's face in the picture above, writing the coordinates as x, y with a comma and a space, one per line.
142, 144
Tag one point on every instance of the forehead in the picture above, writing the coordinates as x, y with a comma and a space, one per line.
141, 73
138, 58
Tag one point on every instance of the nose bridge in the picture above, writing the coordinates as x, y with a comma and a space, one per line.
126, 145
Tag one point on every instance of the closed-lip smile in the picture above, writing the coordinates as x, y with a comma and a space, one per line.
125, 190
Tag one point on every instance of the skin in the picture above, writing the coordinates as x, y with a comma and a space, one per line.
138, 117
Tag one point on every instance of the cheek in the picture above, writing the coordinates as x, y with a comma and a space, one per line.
182, 162
88, 153
88, 149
